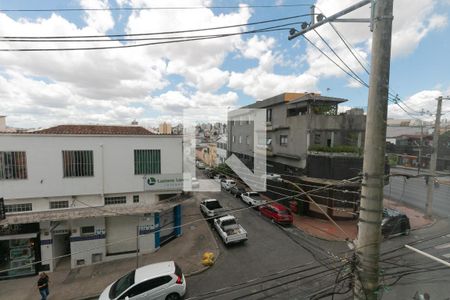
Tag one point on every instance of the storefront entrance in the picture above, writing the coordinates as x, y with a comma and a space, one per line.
19, 250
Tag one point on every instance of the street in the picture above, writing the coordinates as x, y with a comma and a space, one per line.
262, 266
413, 192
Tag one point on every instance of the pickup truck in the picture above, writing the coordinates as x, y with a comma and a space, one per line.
229, 230
253, 199
211, 207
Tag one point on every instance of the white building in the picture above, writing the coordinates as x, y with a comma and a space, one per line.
222, 144
86, 191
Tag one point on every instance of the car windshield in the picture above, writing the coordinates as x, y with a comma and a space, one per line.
121, 285
283, 212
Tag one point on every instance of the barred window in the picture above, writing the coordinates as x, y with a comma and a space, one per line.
147, 161
13, 165
78, 163
135, 198
59, 204
87, 230
9, 208
115, 200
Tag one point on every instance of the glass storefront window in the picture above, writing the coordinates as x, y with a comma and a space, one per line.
17, 254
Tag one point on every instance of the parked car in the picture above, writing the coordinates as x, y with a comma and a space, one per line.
237, 190
277, 212
394, 223
272, 176
163, 280
229, 230
227, 184
200, 165
211, 207
253, 199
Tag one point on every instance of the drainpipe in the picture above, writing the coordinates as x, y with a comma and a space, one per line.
103, 170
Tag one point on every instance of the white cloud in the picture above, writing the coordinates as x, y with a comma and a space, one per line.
423, 101
413, 21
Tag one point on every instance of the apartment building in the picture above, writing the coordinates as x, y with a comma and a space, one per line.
308, 141
299, 125
89, 193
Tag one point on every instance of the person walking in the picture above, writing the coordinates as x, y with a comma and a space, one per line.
42, 285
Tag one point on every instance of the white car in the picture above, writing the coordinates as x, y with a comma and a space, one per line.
227, 184
253, 199
219, 178
160, 281
272, 176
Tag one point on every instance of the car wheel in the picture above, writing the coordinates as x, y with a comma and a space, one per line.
407, 231
272, 220
173, 296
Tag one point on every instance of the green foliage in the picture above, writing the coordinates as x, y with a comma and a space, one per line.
224, 169
392, 159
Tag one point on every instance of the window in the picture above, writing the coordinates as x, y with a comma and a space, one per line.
283, 139
247, 139
234, 139
147, 161
13, 165
269, 115
87, 230
317, 139
9, 208
59, 204
78, 163
115, 200
240, 139
268, 141
135, 198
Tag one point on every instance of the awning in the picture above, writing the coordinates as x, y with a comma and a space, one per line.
89, 212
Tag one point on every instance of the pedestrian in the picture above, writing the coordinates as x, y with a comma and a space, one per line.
42, 285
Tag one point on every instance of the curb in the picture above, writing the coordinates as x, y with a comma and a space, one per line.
216, 257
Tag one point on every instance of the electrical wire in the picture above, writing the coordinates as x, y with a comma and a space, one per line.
157, 33
152, 8
342, 61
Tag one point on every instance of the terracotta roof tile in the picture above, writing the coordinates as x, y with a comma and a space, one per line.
95, 129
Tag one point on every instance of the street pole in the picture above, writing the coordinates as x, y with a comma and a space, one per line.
137, 244
420, 147
433, 160
369, 233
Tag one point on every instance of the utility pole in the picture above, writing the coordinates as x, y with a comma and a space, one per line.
420, 147
433, 159
371, 209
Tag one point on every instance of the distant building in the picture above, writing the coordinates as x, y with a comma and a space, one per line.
310, 143
222, 149
177, 130
85, 191
165, 128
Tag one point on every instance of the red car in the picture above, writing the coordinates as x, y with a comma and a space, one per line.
277, 213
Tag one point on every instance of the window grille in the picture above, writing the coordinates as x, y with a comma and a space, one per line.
78, 163
59, 204
13, 165
9, 208
115, 200
147, 161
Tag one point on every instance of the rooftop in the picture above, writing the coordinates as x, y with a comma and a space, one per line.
95, 130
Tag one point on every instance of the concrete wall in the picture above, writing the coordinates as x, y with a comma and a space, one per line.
113, 163
43, 203
81, 247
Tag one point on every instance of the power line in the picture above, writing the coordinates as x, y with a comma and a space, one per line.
329, 58
157, 33
151, 8
332, 50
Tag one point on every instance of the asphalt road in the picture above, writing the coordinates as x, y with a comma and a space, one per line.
413, 192
275, 262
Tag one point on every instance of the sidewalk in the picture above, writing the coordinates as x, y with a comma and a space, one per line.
90, 281
324, 229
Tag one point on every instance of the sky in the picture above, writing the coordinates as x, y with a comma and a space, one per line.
154, 83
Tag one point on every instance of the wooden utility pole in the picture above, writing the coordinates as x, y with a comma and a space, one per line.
433, 159
371, 210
